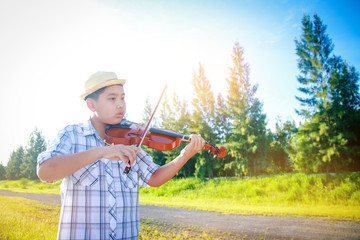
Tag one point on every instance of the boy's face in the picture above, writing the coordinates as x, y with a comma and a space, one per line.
110, 107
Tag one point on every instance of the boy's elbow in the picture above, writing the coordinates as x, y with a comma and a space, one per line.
43, 173
154, 184
156, 181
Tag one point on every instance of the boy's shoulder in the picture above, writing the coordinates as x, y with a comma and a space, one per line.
84, 128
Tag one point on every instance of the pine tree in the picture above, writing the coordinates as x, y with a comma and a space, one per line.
203, 122
158, 156
247, 133
314, 49
2, 172
167, 116
36, 145
345, 113
13, 166
222, 119
221, 129
147, 112
279, 146
326, 141
175, 116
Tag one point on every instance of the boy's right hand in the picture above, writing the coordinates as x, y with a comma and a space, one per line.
124, 153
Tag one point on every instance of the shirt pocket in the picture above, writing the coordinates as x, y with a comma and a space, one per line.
86, 176
131, 179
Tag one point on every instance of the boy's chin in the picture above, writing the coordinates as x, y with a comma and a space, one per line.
114, 122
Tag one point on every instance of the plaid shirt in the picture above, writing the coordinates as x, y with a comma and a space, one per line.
98, 201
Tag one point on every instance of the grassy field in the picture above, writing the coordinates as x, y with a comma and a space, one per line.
30, 220
27, 220
301, 194
30, 186
334, 196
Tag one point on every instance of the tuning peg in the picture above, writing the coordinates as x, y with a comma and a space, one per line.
215, 156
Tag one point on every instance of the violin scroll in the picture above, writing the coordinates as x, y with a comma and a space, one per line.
218, 152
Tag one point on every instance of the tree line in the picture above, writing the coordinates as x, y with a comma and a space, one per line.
327, 140
22, 161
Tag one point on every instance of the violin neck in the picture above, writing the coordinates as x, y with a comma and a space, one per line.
169, 133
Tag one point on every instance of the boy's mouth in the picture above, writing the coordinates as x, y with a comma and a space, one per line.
120, 115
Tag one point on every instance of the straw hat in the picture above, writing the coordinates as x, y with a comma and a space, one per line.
99, 80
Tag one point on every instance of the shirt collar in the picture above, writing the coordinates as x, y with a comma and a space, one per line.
89, 128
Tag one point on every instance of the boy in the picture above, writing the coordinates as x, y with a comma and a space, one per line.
98, 200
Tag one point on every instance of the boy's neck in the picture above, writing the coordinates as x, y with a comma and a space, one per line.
99, 126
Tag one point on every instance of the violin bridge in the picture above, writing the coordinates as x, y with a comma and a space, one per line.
138, 127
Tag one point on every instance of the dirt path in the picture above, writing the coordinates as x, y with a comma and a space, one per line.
266, 227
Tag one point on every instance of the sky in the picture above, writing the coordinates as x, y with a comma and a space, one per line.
48, 49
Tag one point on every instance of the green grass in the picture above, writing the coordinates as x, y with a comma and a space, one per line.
30, 220
335, 196
287, 194
30, 186
150, 229
27, 220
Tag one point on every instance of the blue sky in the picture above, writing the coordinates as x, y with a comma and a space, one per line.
49, 48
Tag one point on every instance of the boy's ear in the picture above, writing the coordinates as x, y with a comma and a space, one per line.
90, 104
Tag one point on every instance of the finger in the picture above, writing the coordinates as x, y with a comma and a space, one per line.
197, 141
201, 142
130, 155
124, 154
136, 149
124, 158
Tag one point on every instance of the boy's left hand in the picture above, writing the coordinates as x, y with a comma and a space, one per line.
197, 143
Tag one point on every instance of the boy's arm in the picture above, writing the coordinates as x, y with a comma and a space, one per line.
168, 171
60, 166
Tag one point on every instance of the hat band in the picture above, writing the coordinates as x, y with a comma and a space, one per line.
101, 83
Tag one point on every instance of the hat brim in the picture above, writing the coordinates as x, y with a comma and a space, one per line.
101, 85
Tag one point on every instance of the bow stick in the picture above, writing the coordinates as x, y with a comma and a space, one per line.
147, 128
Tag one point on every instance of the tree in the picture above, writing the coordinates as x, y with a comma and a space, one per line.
14, 163
36, 145
345, 112
247, 130
167, 116
222, 130
158, 156
148, 110
279, 146
203, 121
222, 119
175, 116
314, 49
2, 172
326, 142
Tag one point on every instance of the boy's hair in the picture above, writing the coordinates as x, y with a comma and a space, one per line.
95, 95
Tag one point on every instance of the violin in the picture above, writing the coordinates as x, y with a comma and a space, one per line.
129, 133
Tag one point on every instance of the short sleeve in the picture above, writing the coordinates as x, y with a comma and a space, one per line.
61, 145
146, 168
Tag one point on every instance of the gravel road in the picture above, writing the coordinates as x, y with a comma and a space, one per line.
266, 227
